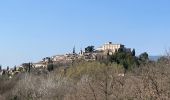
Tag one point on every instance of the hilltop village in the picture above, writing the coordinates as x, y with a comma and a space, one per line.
89, 54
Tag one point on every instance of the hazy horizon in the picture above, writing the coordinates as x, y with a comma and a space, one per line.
31, 30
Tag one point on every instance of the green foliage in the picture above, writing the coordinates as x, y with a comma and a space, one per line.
127, 59
120, 50
20, 69
50, 67
27, 67
143, 58
77, 70
74, 50
89, 49
133, 52
15, 68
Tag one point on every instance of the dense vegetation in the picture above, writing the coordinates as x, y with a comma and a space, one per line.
120, 76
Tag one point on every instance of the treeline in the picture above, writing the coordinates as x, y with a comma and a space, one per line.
93, 80
118, 76
128, 59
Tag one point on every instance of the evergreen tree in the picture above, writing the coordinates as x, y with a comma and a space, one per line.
124, 58
50, 67
89, 49
15, 68
29, 67
0, 67
133, 52
7, 68
143, 58
74, 50
120, 50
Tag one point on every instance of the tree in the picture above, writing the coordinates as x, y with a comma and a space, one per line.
0, 67
7, 68
49, 60
120, 50
89, 49
15, 68
133, 52
124, 58
27, 66
74, 50
50, 67
144, 57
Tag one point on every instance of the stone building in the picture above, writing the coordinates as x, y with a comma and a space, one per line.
112, 48
40, 64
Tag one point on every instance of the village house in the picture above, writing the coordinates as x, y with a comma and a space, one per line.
58, 58
67, 57
40, 64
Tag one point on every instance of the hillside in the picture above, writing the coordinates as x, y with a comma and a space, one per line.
114, 74
90, 81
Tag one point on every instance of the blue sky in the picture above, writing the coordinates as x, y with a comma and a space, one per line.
33, 29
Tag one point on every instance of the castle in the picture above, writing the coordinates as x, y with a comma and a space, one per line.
112, 48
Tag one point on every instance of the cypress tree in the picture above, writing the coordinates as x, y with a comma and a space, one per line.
133, 52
